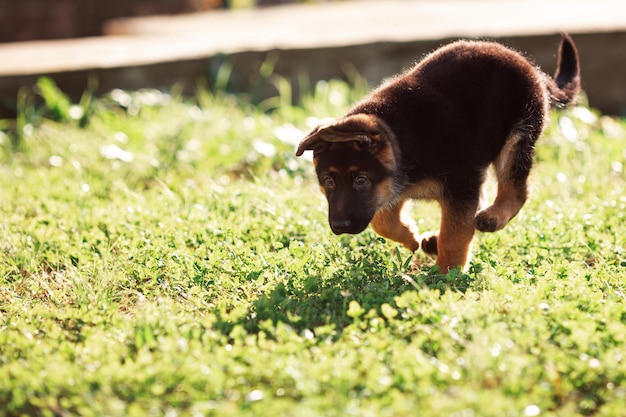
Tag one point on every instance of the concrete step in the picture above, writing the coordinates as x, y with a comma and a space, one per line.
377, 38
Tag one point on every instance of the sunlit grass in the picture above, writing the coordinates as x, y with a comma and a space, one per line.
167, 255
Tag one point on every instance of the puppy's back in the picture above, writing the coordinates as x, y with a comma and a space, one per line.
469, 94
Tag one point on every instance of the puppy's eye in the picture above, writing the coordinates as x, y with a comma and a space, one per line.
329, 182
361, 181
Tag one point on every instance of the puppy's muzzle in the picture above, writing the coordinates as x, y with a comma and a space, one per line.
341, 226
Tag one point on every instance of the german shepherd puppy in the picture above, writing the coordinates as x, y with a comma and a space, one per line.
432, 133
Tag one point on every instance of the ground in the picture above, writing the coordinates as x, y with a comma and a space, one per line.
165, 255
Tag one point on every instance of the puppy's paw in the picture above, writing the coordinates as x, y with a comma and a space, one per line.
412, 245
429, 244
489, 221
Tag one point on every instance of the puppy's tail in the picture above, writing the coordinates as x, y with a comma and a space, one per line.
565, 85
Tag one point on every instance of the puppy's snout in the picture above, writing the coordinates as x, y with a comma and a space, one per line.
340, 226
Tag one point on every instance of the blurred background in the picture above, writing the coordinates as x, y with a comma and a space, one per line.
56, 19
259, 46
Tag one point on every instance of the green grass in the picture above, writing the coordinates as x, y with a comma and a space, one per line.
167, 256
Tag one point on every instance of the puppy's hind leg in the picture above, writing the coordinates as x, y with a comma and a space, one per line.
390, 223
512, 169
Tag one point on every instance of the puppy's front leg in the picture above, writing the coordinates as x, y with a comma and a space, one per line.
455, 237
390, 223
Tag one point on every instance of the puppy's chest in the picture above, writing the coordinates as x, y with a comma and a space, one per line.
423, 189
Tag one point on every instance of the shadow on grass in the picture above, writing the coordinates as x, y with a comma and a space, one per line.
314, 299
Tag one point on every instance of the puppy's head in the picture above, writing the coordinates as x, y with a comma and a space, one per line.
355, 164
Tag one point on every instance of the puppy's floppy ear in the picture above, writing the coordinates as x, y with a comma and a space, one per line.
311, 142
365, 128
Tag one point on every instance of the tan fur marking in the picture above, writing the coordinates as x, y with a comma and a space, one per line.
503, 162
508, 203
389, 149
424, 190
511, 197
390, 223
386, 157
384, 192
455, 239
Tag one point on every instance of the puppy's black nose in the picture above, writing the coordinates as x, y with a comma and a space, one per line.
340, 226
